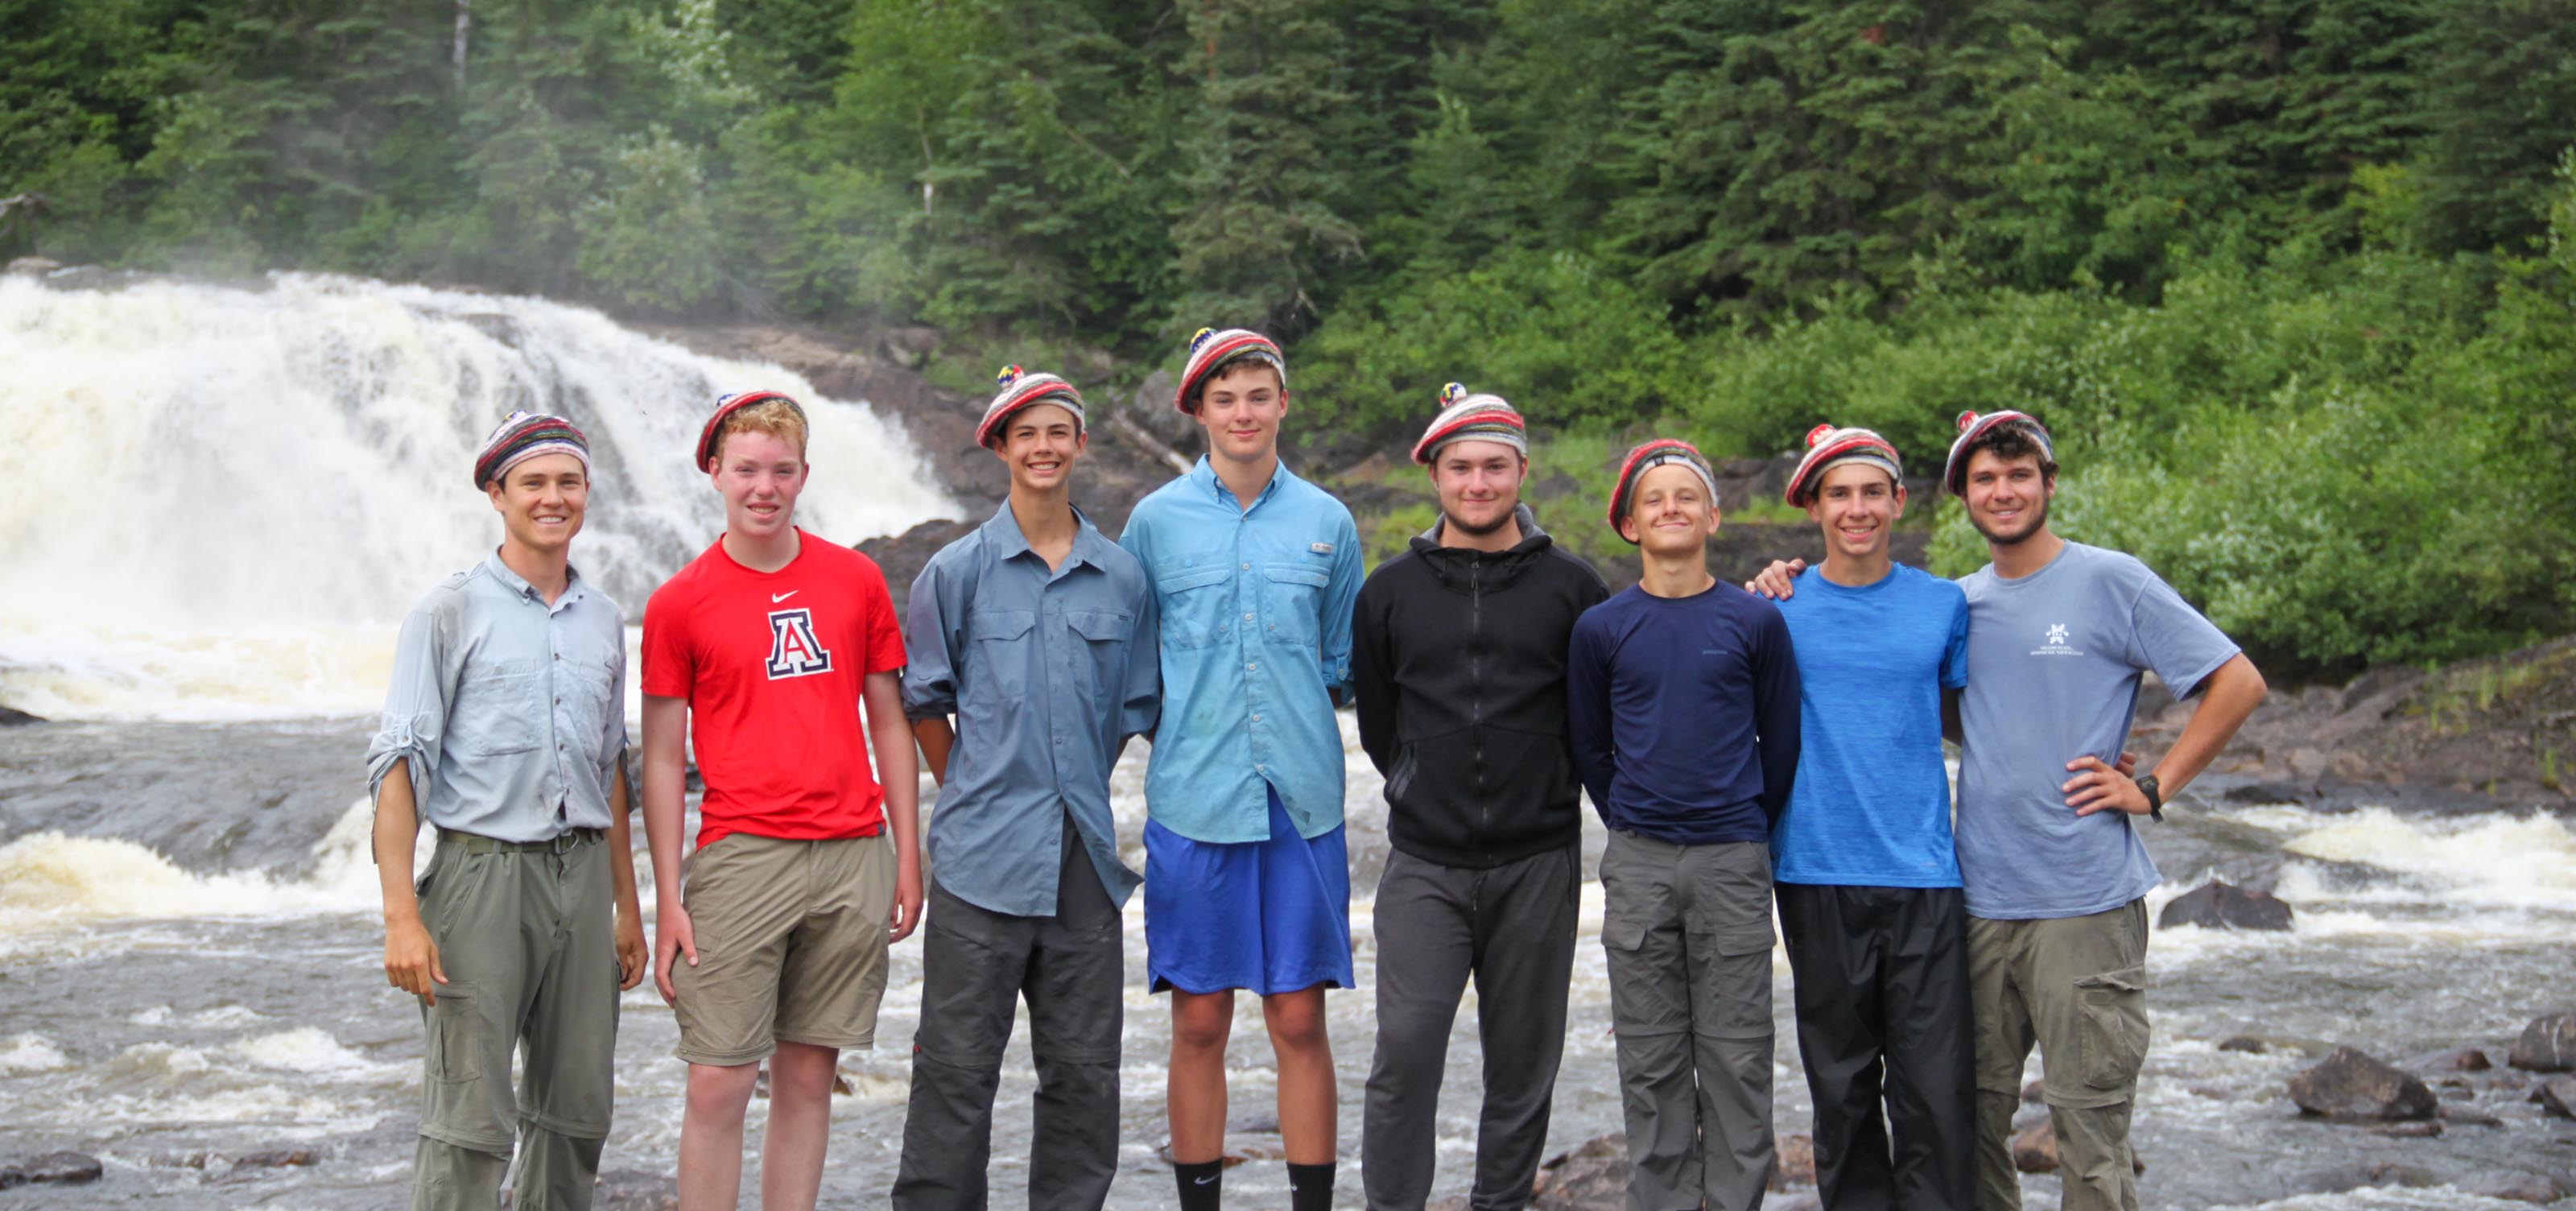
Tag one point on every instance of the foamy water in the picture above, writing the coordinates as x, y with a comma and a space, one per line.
216, 502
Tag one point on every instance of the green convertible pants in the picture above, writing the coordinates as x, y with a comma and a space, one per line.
527, 936
2076, 986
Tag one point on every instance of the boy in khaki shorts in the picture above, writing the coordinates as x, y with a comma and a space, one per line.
771, 938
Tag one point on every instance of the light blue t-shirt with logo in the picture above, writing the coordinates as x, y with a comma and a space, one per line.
1871, 807
2054, 660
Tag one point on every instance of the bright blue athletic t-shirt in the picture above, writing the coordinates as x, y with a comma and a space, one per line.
1871, 806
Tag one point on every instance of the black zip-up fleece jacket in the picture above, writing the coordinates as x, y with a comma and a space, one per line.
1458, 663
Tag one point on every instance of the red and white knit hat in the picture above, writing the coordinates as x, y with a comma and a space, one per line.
1477, 417
1649, 456
1973, 426
727, 405
1829, 447
1211, 351
1021, 389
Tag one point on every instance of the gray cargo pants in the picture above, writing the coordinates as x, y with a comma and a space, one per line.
976, 964
2076, 986
1688, 931
1511, 929
527, 936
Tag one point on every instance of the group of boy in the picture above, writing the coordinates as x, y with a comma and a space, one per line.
1740, 752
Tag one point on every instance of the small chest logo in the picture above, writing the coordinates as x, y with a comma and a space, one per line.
793, 649
2055, 644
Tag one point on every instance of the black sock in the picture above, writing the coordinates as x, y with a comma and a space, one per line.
1200, 1184
1310, 1187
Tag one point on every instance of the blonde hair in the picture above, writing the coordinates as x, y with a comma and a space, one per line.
775, 417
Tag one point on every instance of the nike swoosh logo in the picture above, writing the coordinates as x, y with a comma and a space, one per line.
775, 598
1201, 1181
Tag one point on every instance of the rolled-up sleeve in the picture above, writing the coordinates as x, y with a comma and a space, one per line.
415, 715
930, 666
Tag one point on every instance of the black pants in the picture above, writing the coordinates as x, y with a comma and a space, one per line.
1511, 930
976, 965
1882, 993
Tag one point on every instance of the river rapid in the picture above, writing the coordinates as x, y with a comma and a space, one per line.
216, 514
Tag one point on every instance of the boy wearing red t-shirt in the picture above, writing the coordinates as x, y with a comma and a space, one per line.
760, 652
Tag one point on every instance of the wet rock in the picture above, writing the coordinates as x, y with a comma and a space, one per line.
2340, 1179
2243, 1042
1240, 1147
911, 345
2034, 1091
2514, 1188
60, 1168
1793, 1162
2260, 794
2557, 1096
282, 1158
2548, 1044
11, 1177
2352, 1085
901, 557
2035, 1150
1594, 1175
2223, 905
2467, 1116
2457, 1059
32, 266
11, 716
2420, 1129
636, 1190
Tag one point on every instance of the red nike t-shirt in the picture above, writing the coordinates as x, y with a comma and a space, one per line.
772, 664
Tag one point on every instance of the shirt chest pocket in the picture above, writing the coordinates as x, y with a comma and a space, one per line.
585, 688
1293, 606
1198, 606
998, 651
496, 710
1100, 640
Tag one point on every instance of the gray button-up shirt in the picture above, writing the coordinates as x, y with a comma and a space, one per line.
513, 712
1049, 672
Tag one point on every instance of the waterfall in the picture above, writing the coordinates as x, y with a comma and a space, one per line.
217, 501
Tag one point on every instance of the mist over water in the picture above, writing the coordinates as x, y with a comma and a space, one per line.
216, 501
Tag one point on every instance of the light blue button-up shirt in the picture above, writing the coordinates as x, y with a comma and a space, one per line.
1256, 639
512, 712
1049, 672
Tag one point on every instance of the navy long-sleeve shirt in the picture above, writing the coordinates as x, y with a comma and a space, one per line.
1685, 714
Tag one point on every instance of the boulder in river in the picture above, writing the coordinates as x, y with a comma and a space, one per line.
2514, 1188
1594, 1175
58, 1168
1793, 1162
2457, 1059
11, 716
2557, 1096
2223, 905
2341, 1179
2350, 1084
2467, 1115
2035, 1150
2548, 1044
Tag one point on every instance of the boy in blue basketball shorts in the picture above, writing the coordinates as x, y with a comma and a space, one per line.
1247, 881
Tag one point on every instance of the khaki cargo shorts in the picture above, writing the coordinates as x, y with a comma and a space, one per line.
791, 939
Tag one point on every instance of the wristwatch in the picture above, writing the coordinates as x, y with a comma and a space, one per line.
2155, 797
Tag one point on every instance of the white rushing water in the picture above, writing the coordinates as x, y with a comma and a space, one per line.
216, 501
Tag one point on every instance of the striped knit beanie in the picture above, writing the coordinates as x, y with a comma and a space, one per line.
1211, 351
524, 435
1973, 426
1646, 458
727, 405
1478, 417
1019, 390
1829, 447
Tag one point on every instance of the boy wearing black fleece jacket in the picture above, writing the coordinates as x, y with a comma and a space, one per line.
1684, 711
1458, 666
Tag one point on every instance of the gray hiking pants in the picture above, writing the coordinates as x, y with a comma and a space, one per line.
1688, 931
527, 936
1510, 928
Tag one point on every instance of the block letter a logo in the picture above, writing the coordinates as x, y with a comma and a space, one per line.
793, 649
